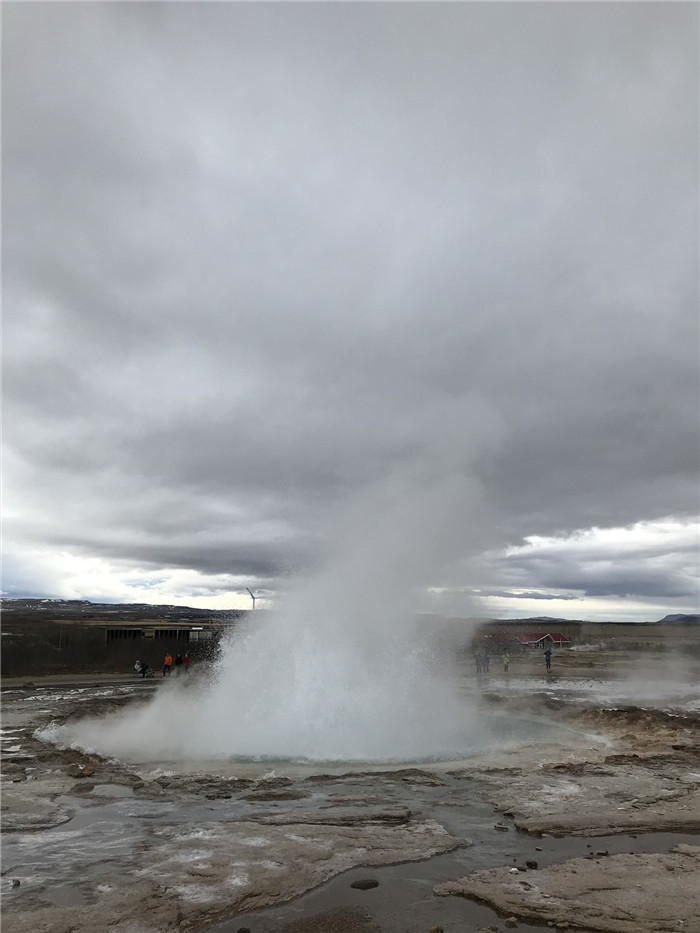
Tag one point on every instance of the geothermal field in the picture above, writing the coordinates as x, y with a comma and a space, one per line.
367, 783
346, 343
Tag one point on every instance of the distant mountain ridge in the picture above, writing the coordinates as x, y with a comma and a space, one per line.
77, 608
550, 623
83, 608
682, 618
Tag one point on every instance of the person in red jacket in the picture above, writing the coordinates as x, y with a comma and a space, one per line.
167, 664
186, 663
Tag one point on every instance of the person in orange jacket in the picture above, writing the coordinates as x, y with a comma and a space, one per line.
167, 664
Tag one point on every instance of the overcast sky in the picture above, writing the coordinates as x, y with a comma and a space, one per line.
290, 280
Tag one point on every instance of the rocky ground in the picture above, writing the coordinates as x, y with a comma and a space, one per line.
594, 828
627, 893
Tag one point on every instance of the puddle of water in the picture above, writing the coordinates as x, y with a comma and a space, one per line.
88, 845
404, 898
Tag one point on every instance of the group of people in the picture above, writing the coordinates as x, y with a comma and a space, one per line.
483, 660
181, 664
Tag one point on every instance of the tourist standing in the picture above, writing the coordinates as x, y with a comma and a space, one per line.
167, 664
186, 663
178, 664
506, 661
548, 658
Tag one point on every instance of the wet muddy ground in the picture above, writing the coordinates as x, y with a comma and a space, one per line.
588, 817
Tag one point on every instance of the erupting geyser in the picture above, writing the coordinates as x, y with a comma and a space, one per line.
351, 688
344, 671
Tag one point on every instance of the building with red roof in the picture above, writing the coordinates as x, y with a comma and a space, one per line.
540, 639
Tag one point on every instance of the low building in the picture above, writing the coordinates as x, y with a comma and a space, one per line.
541, 639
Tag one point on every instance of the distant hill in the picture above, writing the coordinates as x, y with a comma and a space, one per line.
680, 619
550, 623
75, 609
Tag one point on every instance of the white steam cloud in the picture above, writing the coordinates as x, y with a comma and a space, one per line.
345, 670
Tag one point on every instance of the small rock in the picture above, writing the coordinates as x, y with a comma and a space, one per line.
16, 882
364, 884
513, 871
602, 852
81, 771
538, 848
500, 827
435, 930
562, 925
511, 921
243, 930
531, 863
275, 781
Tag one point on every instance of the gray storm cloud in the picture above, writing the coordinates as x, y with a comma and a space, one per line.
258, 258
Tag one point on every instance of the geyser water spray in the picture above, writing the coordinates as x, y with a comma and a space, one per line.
344, 669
